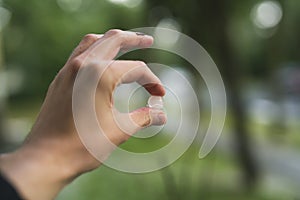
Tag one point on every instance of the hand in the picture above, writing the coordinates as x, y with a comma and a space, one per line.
53, 155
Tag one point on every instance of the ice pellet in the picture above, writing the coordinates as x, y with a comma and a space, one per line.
156, 102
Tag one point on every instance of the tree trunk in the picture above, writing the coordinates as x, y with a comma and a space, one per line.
2, 97
232, 74
207, 22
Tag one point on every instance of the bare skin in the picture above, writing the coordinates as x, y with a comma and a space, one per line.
53, 154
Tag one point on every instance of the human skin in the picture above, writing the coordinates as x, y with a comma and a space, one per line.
53, 154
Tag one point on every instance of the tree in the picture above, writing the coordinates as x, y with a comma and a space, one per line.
208, 22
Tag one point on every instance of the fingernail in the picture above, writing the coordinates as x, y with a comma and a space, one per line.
157, 117
162, 118
140, 33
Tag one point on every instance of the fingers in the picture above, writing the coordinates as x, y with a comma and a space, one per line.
134, 71
85, 43
99, 48
114, 40
130, 123
144, 117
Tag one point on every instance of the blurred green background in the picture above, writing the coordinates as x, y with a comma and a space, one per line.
254, 43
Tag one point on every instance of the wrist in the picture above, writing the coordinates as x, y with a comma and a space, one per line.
41, 168
32, 176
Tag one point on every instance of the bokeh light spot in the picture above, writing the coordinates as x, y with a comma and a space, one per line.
164, 38
69, 5
267, 14
4, 17
127, 3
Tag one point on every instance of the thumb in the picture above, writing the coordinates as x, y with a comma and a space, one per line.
130, 123
145, 116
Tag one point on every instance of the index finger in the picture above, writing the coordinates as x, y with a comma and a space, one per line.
114, 40
126, 71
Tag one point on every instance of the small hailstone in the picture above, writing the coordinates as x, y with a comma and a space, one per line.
155, 102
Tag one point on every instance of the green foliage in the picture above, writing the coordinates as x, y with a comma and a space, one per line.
41, 36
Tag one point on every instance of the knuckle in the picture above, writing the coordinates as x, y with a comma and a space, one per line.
76, 63
141, 63
90, 37
114, 32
